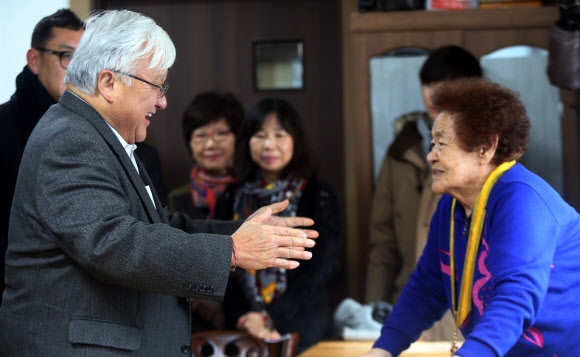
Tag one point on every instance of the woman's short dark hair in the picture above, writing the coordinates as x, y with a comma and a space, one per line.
448, 63
209, 107
303, 163
482, 110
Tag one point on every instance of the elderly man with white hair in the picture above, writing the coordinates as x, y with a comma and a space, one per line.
95, 266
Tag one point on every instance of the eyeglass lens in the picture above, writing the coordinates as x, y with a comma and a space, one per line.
217, 136
64, 57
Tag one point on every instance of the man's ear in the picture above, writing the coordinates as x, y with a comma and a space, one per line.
33, 59
487, 152
107, 85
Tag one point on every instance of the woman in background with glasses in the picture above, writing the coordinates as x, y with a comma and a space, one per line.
275, 162
209, 125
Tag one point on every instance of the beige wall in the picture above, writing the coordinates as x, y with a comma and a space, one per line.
81, 7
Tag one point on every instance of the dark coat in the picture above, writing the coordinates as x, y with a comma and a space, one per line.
304, 306
149, 156
93, 267
18, 117
180, 201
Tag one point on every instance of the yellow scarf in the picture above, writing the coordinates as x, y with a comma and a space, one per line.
461, 310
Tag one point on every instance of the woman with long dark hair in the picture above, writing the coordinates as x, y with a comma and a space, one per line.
274, 161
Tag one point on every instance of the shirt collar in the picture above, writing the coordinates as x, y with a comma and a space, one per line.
129, 148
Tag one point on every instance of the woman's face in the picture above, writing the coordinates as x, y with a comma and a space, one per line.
213, 147
454, 170
271, 148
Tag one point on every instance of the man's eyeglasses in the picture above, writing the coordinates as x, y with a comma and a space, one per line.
162, 88
63, 56
217, 137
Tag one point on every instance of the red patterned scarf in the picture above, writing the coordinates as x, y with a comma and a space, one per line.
205, 188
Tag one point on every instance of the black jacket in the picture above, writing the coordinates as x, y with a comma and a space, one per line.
149, 156
304, 306
18, 117
180, 200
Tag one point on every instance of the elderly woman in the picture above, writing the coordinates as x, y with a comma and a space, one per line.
503, 246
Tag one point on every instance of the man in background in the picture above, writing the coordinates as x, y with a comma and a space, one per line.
403, 202
38, 86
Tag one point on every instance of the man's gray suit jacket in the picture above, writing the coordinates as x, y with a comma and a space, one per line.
92, 267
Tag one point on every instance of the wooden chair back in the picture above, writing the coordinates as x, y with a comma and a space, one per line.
284, 347
241, 344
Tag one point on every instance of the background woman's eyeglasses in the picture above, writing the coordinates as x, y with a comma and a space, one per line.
63, 56
217, 137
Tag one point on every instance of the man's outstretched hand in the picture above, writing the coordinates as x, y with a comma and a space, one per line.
266, 240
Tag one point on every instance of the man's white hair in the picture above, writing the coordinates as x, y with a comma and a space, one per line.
116, 40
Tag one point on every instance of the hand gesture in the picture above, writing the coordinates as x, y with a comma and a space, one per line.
265, 241
273, 220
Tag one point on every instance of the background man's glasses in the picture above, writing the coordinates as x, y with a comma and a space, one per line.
63, 56
162, 88
217, 137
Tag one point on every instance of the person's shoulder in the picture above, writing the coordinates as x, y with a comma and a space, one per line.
179, 191
61, 129
521, 190
407, 136
521, 183
10, 132
60, 119
519, 174
179, 200
6, 106
8, 114
407, 120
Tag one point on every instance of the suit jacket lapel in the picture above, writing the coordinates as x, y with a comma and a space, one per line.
82, 108
147, 181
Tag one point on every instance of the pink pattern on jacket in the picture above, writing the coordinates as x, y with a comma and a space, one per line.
534, 336
482, 267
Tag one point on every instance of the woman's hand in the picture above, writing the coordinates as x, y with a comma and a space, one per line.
258, 325
376, 352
